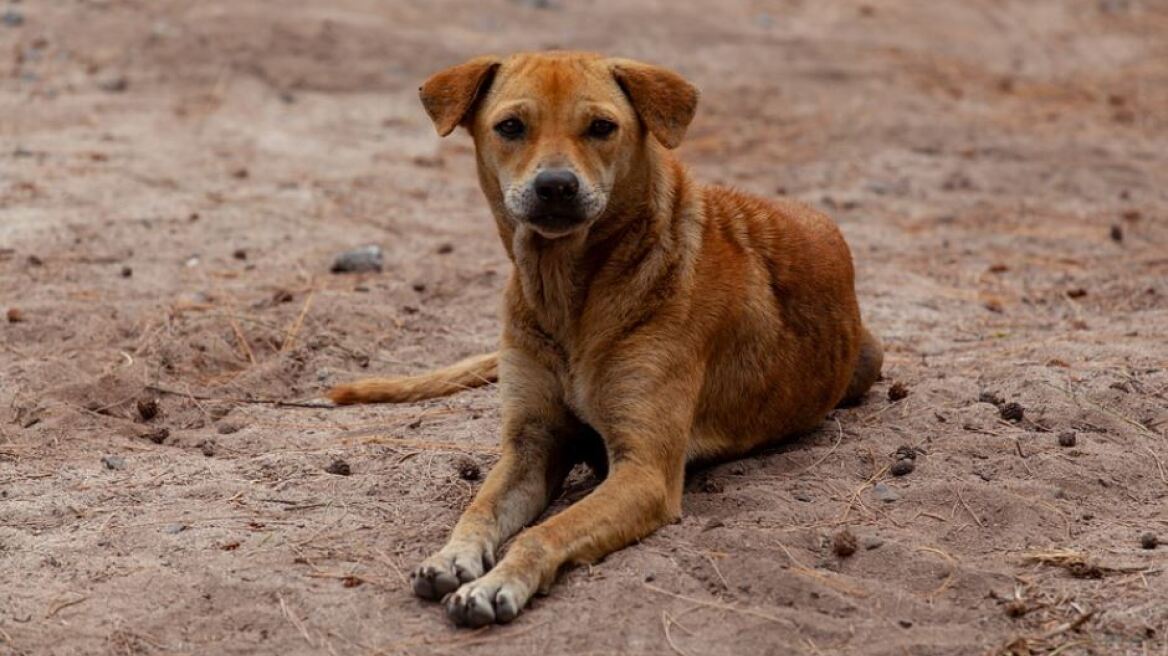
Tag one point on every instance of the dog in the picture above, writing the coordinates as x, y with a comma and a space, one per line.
648, 322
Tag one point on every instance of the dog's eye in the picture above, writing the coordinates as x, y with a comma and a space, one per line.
601, 128
511, 128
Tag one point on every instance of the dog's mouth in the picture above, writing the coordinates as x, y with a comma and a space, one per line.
553, 225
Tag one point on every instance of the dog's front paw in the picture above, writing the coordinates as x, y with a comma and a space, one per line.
493, 598
442, 573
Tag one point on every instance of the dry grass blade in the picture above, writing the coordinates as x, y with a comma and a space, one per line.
428, 445
1055, 557
668, 620
839, 438
961, 498
717, 605
1025, 646
62, 605
296, 622
294, 329
1077, 563
952, 569
243, 343
838, 586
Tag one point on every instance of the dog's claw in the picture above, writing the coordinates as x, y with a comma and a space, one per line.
431, 583
483, 602
443, 572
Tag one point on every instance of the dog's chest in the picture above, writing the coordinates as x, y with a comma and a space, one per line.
578, 396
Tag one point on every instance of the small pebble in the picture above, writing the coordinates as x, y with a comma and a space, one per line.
1017, 608
1012, 412
13, 18
113, 462
843, 544
365, 259
871, 543
906, 453
902, 467
15, 315
990, 397
239, 254
157, 436
1116, 233
147, 409
1149, 541
884, 493
207, 447
339, 467
228, 427
711, 486
446, 249
469, 470
897, 392
1067, 438
127, 272
174, 529
115, 84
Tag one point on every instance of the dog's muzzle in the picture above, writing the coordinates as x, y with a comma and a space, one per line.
554, 203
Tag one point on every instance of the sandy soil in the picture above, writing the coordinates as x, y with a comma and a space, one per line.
175, 178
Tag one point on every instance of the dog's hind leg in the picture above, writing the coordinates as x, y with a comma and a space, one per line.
867, 369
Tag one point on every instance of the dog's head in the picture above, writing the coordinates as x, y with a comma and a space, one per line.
557, 132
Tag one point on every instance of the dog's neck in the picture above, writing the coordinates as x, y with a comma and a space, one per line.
629, 246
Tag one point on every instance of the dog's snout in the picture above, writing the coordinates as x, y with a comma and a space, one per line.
556, 185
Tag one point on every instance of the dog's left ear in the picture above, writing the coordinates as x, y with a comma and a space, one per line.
663, 99
449, 96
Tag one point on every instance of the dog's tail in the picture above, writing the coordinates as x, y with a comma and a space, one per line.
867, 370
475, 371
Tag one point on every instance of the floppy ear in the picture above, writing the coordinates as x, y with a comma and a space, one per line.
450, 95
663, 99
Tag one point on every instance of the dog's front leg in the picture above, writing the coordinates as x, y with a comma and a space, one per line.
537, 453
642, 492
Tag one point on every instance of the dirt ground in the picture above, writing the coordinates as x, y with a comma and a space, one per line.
176, 176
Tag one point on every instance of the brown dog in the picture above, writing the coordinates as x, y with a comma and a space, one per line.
649, 320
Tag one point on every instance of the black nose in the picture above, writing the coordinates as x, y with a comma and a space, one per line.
556, 185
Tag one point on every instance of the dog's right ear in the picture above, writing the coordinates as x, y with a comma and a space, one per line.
449, 96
